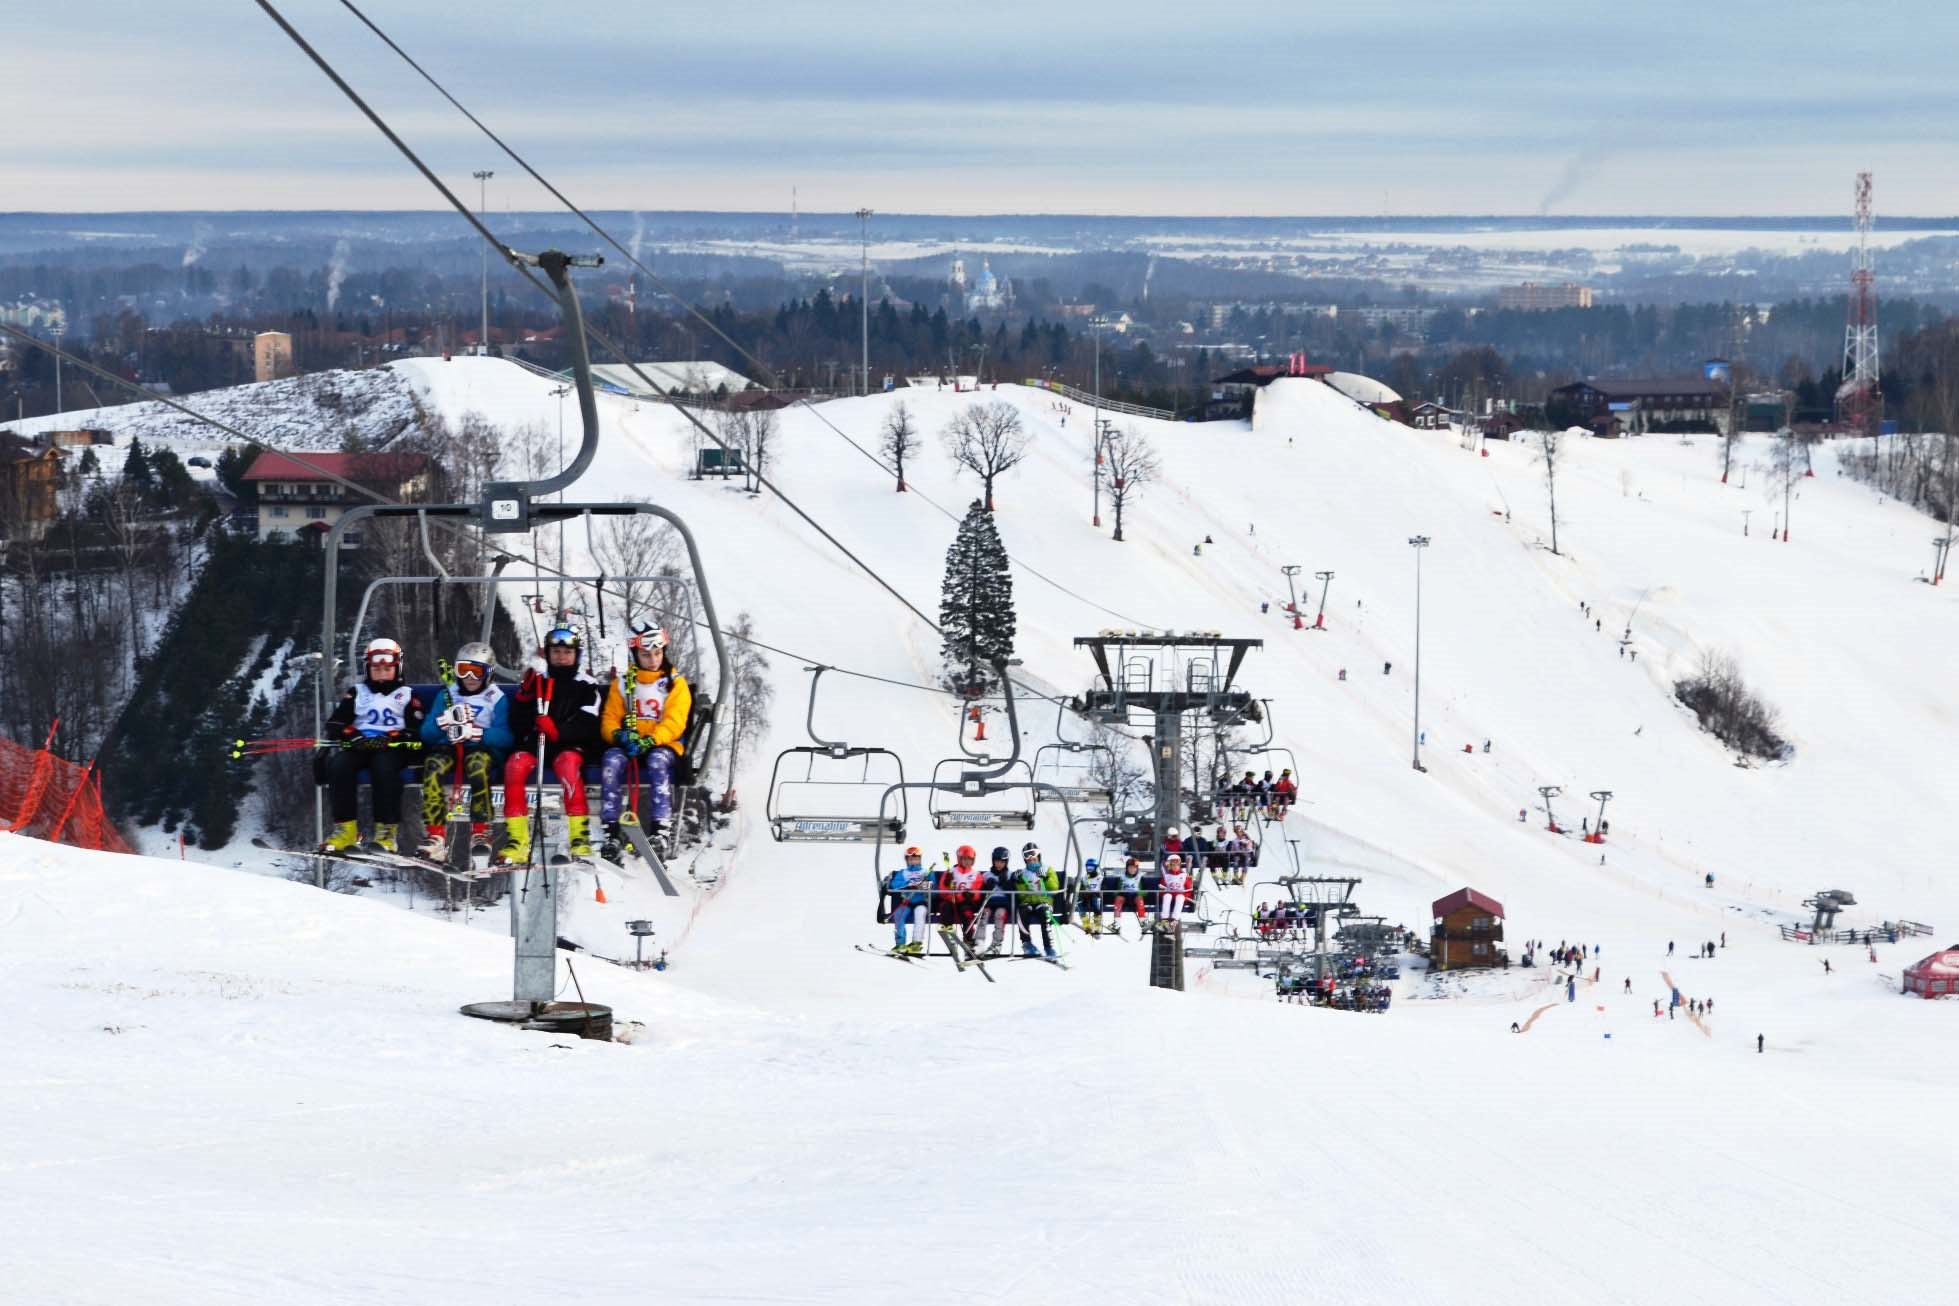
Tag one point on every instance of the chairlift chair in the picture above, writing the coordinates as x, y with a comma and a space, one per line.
834, 807
951, 788
1067, 763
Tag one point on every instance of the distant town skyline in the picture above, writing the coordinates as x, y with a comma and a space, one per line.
1412, 107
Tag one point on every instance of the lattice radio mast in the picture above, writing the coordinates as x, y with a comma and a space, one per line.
1860, 405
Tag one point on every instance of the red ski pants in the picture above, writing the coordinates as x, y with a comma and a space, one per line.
568, 765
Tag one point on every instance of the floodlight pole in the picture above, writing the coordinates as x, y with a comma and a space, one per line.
1095, 324
482, 207
1418, 543
864, 290
1325, 579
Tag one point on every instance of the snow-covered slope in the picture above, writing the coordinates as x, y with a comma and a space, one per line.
300, 1114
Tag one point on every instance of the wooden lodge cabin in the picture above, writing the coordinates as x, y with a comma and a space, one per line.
1468, 932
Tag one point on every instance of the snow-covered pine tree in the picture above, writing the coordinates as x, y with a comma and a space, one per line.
976, 602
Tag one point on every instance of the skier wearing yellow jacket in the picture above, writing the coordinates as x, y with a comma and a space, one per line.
644, 716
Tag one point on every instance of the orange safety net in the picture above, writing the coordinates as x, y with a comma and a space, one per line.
49, 797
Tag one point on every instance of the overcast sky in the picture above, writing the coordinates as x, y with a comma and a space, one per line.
1088, 106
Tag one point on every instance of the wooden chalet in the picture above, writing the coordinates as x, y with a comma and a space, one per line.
1468, 931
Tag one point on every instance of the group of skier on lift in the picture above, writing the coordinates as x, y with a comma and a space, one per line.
964, 896
559, 715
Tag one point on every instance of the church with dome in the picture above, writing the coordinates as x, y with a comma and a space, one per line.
986, 290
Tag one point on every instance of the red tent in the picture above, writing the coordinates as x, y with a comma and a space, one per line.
1935, 976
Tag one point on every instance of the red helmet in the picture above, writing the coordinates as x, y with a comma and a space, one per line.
913, 851
967, 853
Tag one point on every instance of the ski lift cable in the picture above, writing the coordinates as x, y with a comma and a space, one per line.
520, 266
767, 374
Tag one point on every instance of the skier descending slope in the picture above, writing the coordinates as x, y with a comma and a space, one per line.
1034, 888
554, 712
378, 722
907, 886
643, 722
472, 718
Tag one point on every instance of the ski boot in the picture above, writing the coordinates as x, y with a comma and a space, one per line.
614, 847
1050, 953
479, 841
1027, 950
345, 835
915, 949
517, 841
386, 838
578, 843
435, 848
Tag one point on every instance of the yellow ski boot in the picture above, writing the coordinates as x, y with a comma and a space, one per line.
345, 835
517, 841
386, 838
579, 837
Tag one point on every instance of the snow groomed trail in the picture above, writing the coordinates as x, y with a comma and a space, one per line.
273, 1086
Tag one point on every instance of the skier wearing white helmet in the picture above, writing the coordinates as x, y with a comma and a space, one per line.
471, 723
644, 718
378, 724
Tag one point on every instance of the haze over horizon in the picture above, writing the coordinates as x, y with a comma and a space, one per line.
1505, 109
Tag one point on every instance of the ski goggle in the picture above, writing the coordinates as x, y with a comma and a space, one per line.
384, 658
472, 670
561, 638
911, 853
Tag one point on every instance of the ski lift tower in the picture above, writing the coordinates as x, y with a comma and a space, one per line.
1138, 673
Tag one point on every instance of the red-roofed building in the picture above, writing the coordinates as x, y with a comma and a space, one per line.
1468, 931
297, 493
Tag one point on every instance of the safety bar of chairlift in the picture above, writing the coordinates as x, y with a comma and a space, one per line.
489, 614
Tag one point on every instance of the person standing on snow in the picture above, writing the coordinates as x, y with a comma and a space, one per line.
1034, 888
470, 721
648, 728
557, 710
378, 723
907, 887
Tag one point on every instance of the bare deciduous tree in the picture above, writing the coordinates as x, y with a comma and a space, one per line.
900, 440
747, 694
988, 441
1550, 447
635, 545
1132, 464
753, 432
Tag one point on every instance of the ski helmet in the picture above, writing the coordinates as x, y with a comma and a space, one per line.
382, 652
1173, 860
564, 637
647, 635
1131, 862
1000, 853
1171, 833
1030, 849
967, 853
1091, 864
913, 851
475, 659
